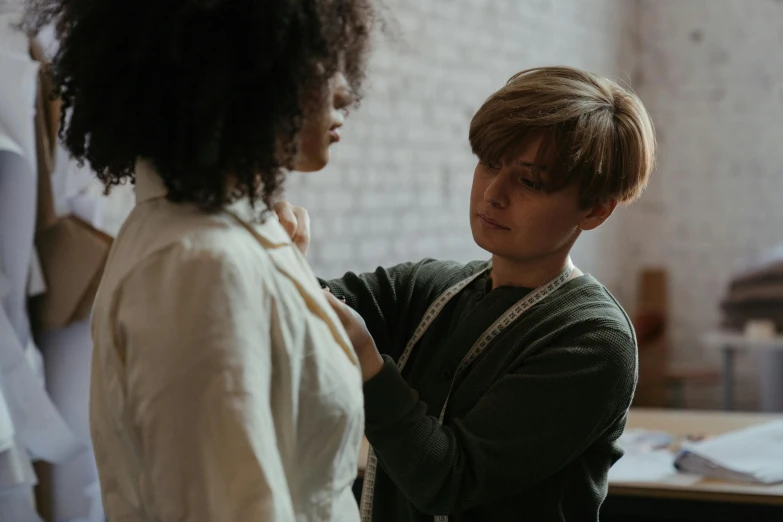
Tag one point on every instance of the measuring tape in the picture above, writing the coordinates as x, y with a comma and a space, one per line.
511, 315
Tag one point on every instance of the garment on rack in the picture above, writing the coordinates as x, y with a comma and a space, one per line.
75, 218
19, 359
30, 425
75, 489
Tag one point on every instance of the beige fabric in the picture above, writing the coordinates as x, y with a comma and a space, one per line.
223, 386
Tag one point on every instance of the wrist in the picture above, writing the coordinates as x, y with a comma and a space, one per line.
372, 365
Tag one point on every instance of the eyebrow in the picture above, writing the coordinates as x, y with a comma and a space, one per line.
530, 165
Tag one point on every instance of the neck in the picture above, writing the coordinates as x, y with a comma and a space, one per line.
527, 273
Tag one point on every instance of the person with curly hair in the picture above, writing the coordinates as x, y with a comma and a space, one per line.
224, 387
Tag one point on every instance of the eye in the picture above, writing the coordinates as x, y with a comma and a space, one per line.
531, 184
493, 168
343, 98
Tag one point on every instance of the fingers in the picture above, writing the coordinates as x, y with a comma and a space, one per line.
340, 308
287, 216
301, 235
296, 223
330, 296
338, 305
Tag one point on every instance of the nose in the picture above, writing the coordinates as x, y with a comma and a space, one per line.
338, 119
496, 193
342, 96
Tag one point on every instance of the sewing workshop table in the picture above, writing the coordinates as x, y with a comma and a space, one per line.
708, 500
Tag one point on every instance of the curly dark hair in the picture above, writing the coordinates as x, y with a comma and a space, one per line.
204, 89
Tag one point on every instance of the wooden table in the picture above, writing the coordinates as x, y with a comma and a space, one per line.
708, 499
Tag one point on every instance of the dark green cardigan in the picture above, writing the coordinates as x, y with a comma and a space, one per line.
531, 427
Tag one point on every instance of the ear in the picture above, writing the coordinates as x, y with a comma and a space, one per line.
597, 215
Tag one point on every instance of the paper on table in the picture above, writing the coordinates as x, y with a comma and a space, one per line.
753, 454
649, 466
636, 440
647, 459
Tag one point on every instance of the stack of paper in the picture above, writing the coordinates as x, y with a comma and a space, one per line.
641, 440
751, 455
648, 459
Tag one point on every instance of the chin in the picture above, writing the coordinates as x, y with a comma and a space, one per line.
312, 163
480, 238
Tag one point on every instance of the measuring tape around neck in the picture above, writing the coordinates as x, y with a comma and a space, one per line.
511, 315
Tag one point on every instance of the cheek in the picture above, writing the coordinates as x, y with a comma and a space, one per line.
477, 190
313, 146
554, 219
313, 132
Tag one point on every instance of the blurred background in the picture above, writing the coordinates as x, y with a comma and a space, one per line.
709, 71
696, 261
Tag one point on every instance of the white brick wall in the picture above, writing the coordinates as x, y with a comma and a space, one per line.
710, 71
398, 187
712, 76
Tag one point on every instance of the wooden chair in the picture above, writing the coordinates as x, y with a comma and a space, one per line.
661, 384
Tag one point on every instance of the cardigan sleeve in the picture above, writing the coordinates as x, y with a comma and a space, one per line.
531, 423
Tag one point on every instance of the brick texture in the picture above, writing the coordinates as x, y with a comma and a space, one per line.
711, 73
398, 186
399, 183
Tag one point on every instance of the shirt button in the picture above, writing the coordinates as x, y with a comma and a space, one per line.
447, 373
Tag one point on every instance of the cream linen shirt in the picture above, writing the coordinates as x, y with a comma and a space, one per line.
224, 388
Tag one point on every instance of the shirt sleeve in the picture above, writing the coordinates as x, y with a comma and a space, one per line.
530, 424
391, 299
195, 327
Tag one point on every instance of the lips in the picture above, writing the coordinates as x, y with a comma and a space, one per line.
491, 223
334, 133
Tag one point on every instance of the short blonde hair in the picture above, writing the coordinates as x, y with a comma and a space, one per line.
601, 132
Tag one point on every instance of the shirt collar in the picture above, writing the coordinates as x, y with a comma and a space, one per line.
149, 186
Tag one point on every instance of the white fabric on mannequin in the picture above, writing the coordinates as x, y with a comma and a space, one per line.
18, 79
17, 223
36, 421
68, 353
29, 422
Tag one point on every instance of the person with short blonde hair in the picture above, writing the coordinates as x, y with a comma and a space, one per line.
504, 385
601, 131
